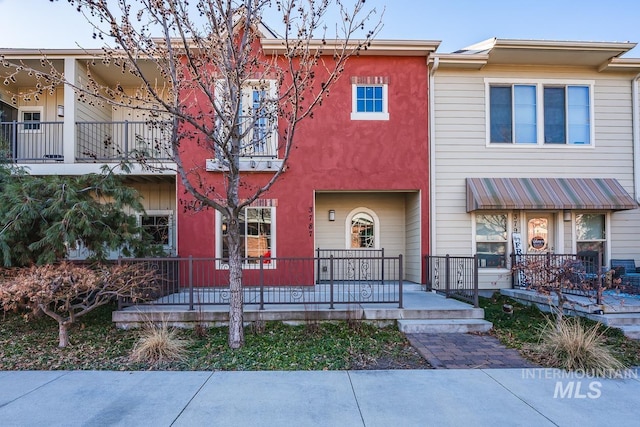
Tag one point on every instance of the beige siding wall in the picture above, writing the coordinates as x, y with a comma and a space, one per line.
391, 209
90, 111
461, 151
412, 238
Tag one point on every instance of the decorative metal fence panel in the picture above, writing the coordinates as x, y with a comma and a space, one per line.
454, 276
350, 264
205, 281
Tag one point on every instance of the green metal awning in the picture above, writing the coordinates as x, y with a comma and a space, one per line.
547, 193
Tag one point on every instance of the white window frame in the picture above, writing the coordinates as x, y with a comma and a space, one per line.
218, 242
607, 241
34, 109
540, 84
509, 243
272, 93
376, 227
355, 115
170, 248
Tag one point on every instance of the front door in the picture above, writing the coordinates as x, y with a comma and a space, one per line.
540, 233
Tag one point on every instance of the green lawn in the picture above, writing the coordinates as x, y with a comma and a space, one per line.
97, 344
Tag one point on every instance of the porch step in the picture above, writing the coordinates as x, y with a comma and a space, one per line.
438, 326
617, 320
630, 331
420, 314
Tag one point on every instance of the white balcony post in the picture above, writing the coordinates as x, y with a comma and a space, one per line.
69, 126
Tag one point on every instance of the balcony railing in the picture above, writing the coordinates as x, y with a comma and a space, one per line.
114, 141
27, 142
104, 142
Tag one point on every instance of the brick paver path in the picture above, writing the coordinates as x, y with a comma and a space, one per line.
466, 351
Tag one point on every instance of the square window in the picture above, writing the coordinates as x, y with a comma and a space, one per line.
256, 235
369, 102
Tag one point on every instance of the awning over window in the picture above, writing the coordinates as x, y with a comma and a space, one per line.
547, 193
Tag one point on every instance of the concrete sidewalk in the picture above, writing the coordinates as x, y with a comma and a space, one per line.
481, 397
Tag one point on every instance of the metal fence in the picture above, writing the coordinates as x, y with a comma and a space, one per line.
37, 142
350, 264
205, 281
572, 273
454, 276
113, 141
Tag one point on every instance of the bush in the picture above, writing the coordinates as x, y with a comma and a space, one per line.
572, 346
158, 344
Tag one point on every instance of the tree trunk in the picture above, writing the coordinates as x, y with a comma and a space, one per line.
63, 335
236, 308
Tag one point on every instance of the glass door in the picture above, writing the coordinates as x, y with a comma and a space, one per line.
540, 233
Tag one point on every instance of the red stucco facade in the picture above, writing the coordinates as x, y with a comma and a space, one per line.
334, 153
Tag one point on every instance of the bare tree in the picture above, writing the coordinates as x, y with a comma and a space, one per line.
208, 53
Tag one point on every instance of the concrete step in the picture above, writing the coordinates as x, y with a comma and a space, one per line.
617, 319
439, 326
409, 313
630, 331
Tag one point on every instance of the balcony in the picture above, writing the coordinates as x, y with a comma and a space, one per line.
258, 149
93, 142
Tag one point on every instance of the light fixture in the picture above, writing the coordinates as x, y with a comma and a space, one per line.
332, 215
566, 215
60, 110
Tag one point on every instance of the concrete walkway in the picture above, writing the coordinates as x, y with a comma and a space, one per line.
480, 397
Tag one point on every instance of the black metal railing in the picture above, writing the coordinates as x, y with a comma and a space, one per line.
33, 142
571, 273
114, 141
453, 276
205, 281
350, 264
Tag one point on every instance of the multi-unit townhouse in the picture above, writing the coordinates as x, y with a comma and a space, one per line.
357, 177
534, 149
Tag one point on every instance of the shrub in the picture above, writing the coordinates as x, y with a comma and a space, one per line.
572, 346
158, 343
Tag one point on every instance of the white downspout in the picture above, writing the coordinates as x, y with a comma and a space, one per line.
433, 250
635, 109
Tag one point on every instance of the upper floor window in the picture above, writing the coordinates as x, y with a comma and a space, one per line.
257, 117
31, 119
369, 98
540, 113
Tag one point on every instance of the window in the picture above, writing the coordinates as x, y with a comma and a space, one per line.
159, 225
591, 236
369, 98
537, 113
31, 119
362, 231
491, 240
258, 117
257, 231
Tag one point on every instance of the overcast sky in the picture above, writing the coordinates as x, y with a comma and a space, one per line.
457, 23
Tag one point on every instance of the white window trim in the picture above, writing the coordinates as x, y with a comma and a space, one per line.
539, 84
34, 109
160, 212
376, 227
355, 115
272, 93
218, 242
607, 232
509, 247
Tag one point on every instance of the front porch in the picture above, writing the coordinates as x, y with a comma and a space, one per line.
421, 311
192, 291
